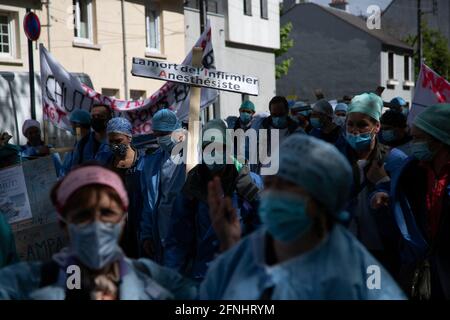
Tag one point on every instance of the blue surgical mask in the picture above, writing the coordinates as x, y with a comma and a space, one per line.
279, 122
96, 244
405, 111
245, 117
284, 215
315, 123
421, 151
166, 143
359, 142
388, 135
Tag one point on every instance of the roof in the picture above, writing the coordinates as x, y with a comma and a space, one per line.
360, 24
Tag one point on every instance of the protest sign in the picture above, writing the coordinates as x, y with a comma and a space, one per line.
62, 93
14, 203
37, 234
431, 89
191, 75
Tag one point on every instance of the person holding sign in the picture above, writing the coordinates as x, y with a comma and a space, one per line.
301, 251
162, 179
191, 243
35, 147
92, 203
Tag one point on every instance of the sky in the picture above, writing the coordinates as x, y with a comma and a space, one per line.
358, 6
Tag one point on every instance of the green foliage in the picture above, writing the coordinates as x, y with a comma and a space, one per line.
286, 43
435, 51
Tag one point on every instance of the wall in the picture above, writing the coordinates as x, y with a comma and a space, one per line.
253, 30
332, 55
104, 61
398, 90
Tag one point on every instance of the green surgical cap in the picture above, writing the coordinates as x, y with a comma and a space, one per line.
248, 105
367, 103
435, 121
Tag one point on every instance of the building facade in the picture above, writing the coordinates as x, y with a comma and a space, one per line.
87, 36
245, 34
342, 56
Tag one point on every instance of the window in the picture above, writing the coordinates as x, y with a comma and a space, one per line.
111, 92
264, 12
391, 65
83, 20
152, 28
137, 94
6, 35
407, 78
248, 7
213, 6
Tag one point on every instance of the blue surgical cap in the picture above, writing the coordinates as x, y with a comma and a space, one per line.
435, 121
80, 116
119, 125
165, 120
324, 172
341, 107
398, 102
367, 103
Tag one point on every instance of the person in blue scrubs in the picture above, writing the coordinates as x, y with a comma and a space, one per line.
162, 179
192, 243
92, 203
302, 251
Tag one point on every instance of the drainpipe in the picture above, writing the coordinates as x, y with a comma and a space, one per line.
125, 72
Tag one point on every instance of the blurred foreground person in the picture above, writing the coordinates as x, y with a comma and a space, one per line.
92, 204
302, 252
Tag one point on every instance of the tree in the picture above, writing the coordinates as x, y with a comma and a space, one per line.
434, 50
286, 43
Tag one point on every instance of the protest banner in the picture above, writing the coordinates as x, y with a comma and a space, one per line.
431, 89
62, 93
37, 234
192, 75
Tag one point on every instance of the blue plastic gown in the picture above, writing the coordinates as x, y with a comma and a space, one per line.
336, 269
84, 150
162, 181
142, 280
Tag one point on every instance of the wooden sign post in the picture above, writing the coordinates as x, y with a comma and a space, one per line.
194, 116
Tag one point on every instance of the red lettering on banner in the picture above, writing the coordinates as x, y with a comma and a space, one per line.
163, 74
437, 84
